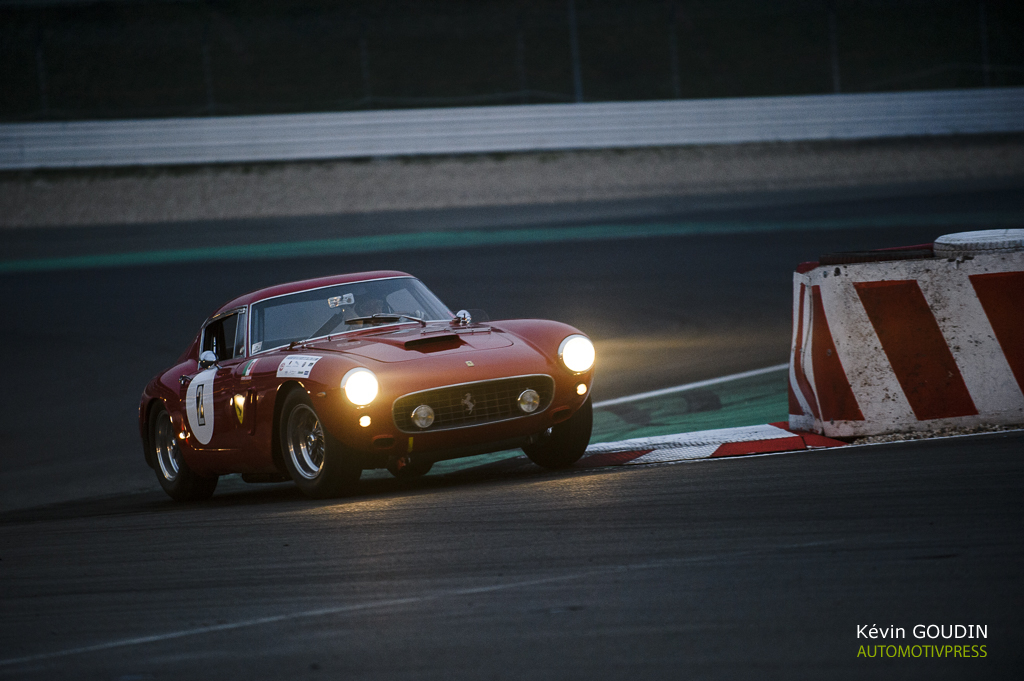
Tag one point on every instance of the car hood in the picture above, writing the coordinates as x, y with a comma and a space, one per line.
404, 344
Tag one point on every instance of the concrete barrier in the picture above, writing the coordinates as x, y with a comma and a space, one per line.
910, 339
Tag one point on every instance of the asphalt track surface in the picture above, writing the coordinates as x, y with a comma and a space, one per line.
747, 568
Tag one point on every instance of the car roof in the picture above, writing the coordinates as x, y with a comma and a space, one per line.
305, 285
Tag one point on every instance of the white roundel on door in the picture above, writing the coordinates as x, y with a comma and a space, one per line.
199, 405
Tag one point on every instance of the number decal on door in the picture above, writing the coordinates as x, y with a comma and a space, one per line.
199, 422
200, 411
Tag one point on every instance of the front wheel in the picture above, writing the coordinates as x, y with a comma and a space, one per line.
563, 444
174, 475
316, 460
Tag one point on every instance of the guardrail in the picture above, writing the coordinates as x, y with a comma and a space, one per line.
181, 141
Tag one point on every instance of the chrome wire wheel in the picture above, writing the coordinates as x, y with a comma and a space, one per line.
304, 438
168, 456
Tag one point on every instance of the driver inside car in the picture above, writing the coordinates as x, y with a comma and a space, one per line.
369, 306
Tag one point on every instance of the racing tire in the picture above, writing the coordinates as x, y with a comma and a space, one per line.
316, 460
563, 444
411, 470
175, 477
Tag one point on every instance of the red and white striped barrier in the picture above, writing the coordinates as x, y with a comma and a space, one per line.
704, 444
882, 347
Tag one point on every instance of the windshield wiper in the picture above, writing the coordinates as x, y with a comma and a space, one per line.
384, 319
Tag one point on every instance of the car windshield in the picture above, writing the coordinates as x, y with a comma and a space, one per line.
312, 314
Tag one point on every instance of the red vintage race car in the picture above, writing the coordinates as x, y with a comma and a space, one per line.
319, 380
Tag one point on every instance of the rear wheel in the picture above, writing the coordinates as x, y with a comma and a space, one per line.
317, 461
563, 444
174, 475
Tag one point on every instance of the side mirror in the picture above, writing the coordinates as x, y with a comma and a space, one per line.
207, 359
467, 317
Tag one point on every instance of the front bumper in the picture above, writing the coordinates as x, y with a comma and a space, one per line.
500, 428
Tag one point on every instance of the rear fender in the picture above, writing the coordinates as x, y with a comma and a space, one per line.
145, 419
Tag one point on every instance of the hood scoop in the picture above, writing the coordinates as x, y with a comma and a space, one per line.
404, 345
434, 341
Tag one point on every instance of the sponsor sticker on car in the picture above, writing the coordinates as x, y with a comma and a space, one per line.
298, 366
247, 369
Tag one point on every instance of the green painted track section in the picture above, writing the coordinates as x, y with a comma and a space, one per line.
747, 401
491, 237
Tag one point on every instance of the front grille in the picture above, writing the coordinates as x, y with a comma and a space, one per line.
491, 401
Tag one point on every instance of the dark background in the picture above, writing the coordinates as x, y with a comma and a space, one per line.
747, 568
68, 60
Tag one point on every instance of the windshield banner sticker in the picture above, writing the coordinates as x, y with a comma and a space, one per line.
298, 366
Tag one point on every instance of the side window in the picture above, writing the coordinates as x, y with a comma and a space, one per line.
225, 337
239, 345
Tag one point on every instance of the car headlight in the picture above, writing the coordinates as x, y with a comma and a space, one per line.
529, 400
576, 353
423, 416
360, 386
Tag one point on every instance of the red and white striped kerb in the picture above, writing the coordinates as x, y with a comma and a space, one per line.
882, 347
704, 444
